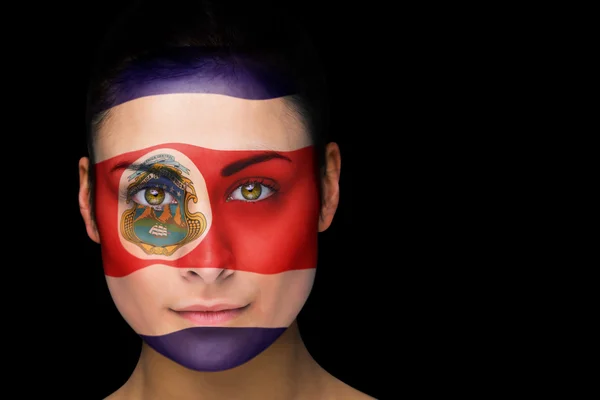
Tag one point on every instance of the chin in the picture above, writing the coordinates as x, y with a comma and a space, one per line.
213, 348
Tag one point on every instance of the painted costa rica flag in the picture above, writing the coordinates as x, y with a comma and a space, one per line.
182, 225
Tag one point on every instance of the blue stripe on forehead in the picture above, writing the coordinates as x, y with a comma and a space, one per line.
194, 70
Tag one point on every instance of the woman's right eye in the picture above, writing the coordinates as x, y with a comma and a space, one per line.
153, 197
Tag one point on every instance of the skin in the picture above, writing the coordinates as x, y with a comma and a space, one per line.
281, 371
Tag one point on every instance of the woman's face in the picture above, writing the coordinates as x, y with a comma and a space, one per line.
207, 208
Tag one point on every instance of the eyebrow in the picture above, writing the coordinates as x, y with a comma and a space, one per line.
130, 166
239, 165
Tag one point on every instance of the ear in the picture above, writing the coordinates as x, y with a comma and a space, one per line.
84, 200
330, 185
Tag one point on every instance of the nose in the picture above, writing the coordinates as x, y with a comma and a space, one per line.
206, 275
211, 261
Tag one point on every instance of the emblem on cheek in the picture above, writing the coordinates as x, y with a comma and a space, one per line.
159, 221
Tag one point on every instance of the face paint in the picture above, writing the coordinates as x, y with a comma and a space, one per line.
209, 246
176, 209
245, 190
159, 221
194, 70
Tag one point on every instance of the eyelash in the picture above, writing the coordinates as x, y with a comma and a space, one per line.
269, 184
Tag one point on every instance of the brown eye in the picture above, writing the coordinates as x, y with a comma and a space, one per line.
251, 191
154, 196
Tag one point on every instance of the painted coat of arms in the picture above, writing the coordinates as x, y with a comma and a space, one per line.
159, 221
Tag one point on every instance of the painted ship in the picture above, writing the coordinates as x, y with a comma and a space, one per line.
158, 230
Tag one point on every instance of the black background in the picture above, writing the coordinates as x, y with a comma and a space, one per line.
375, 318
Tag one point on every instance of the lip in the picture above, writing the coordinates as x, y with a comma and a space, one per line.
207, 308
216, 314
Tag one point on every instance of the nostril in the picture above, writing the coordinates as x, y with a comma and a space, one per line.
208, 275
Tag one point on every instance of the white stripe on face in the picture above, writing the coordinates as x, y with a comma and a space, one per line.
147, 297
206, 120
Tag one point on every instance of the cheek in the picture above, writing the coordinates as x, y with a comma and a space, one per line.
140, 298
282, 296
276, 234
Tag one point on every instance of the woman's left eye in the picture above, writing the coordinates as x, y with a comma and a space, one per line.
251, 192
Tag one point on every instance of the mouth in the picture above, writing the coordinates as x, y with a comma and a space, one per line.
211, 315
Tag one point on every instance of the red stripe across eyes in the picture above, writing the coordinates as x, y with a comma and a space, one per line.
270, 236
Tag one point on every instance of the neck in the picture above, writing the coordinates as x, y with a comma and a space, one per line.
278, 372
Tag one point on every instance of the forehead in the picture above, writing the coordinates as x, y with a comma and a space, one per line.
207, 120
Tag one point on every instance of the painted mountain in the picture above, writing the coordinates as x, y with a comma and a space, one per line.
160, 227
